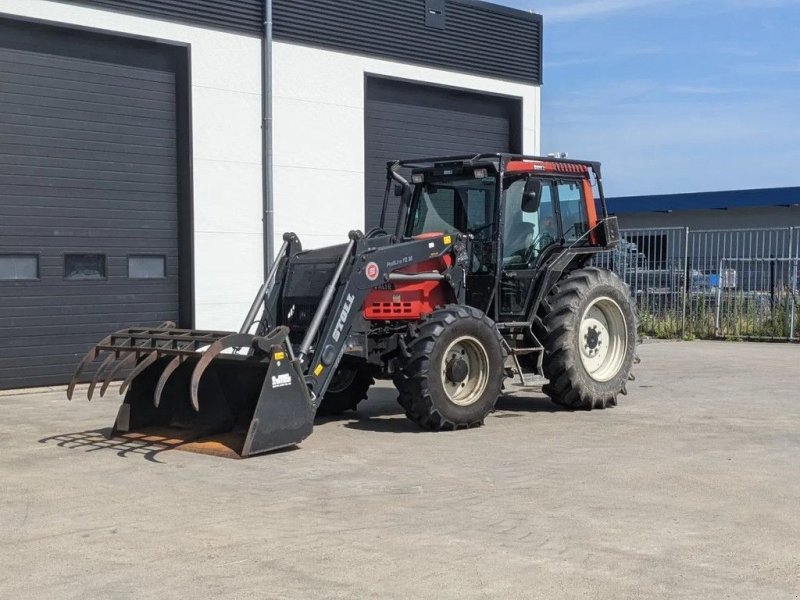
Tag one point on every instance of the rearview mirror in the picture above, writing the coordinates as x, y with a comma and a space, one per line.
398, 190
532, 195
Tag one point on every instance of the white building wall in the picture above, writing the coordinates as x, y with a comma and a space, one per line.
318, 104
226, 117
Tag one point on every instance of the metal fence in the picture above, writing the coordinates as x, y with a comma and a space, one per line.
733, 283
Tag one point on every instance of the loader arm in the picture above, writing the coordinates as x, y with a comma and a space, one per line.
370, 268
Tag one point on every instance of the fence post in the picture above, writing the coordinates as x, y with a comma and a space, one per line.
718, 319
794, 265
686, 282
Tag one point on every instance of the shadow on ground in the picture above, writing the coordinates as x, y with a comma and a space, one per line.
150, 445
100, 439
384, 415
527, 404
380, 414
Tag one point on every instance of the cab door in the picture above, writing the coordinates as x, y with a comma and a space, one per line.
526, 235
561, 220
572, 204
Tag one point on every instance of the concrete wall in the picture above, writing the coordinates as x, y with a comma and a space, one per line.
319, 99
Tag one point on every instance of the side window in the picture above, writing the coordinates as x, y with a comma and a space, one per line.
516, 229
147, 266
526, 234
546, 219
573, 210
81, 267
19, 267
480, 209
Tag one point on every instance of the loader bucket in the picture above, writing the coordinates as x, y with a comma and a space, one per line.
214, 392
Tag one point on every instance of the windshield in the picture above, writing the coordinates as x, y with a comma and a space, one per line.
450, 205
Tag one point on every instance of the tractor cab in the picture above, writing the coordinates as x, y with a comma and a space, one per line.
516, 212
523, 206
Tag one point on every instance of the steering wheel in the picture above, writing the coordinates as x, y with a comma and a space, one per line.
478, 232
545, 239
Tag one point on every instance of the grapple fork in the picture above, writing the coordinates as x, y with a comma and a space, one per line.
246, 390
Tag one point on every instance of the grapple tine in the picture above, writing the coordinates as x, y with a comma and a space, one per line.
239, 340
162, 381
90, 357
148, 360
125, 362
99, 373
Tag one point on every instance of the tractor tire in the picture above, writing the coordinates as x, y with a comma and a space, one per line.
452, 371
587, 325
349, 386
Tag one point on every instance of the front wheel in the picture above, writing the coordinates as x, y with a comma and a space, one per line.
588, 329
347, 389
452, 373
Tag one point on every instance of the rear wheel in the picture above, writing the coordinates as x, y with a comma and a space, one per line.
588, 329
452, 374
348, 387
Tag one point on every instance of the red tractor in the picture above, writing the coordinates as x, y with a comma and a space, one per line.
480, 270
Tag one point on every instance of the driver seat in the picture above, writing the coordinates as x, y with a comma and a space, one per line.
518, 242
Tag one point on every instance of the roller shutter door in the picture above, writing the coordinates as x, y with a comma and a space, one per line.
408, 120
88, 196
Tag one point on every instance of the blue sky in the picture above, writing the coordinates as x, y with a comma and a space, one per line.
674, 95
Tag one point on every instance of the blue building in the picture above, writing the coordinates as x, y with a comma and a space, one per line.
735, 209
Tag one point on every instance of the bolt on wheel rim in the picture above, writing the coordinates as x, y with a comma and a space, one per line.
465, 357
603, 339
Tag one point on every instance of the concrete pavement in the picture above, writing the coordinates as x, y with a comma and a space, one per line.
689, 489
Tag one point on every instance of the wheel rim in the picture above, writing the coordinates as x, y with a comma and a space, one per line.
465, 371
603, 339
342, 380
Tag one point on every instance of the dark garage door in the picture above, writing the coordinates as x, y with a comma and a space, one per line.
406, 120
88, 195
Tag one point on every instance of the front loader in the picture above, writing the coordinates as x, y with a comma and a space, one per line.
485, 275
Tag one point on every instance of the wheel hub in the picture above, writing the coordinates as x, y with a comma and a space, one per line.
465, 371
603, 339
457, 370
592, 338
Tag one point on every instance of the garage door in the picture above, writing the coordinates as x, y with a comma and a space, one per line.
406, 120
88, 196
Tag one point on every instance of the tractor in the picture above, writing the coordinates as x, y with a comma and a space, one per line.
481, 269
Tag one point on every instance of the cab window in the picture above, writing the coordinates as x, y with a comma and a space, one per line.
572, 206
526, 234
454, 205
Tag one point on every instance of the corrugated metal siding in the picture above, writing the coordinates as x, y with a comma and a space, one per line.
237, 15
478, 38
87, 165
787, 196
406, 120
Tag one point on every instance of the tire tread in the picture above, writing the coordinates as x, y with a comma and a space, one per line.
412, 380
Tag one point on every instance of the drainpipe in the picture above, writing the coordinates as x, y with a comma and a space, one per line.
266, 95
